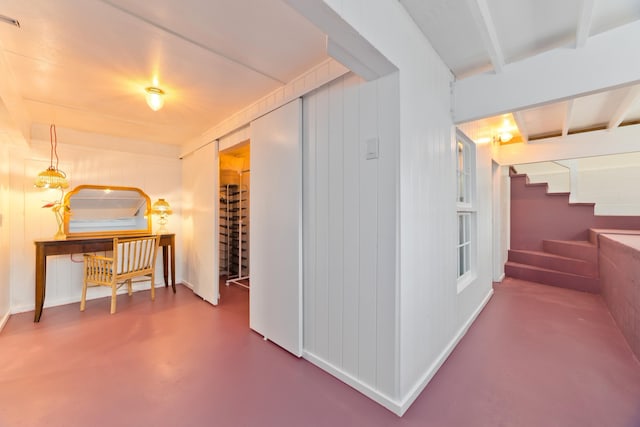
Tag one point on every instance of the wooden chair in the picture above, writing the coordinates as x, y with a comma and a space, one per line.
132, 258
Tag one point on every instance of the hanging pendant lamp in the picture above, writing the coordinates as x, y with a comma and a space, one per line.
52, 177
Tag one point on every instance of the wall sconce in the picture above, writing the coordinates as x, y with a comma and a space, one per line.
162, 208
155, 97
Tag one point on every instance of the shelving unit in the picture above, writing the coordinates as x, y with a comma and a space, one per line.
234, 244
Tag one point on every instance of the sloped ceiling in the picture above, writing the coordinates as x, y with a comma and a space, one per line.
85, 64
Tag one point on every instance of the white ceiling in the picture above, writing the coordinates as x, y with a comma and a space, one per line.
486, 36
84, 64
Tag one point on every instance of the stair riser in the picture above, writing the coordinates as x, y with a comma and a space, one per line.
566, 249
573, 266
585, 284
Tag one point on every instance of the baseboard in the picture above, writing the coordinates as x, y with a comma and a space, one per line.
4, 320
187, 284
501, 278
102, 292
399, 407
373, 394
428, 375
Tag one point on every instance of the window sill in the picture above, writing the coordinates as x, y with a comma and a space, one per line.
466, 279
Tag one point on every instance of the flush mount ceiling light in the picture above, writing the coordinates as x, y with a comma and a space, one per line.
155, 97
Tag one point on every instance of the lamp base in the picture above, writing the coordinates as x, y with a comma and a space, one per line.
60, 235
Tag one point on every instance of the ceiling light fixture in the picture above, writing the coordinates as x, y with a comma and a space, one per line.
155, 97
505, 136
52, 177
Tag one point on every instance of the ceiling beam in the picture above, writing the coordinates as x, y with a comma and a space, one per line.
608, 61
584, 23
625, 139
344, 43
631, 97
566, 120
481, 15
522, 126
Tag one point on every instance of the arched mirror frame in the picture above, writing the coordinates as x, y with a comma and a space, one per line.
68, 213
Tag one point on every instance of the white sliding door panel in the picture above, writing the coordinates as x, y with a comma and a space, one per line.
200, 180
275, 303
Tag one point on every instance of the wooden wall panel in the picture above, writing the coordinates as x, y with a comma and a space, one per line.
335, 218
349, 322
368, 237
351, 278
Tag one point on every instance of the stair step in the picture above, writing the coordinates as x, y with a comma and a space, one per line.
579, 249
552, 277
554, 262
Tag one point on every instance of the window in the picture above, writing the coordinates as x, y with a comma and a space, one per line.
464, 243
466, 210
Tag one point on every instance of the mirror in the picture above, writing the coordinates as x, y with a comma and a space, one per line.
95, 210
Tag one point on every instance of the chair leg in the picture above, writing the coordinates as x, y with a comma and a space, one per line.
153, 287
113, 298
129, 287
83, 300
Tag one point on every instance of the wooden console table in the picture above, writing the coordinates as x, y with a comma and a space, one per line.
44, 248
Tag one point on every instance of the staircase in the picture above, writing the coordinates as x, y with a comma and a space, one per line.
553, 241
571, 264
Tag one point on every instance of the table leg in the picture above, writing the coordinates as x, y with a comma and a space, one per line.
165, 266
173, 265
41, 278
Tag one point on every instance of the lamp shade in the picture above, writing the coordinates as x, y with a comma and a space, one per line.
51, 178
161, 206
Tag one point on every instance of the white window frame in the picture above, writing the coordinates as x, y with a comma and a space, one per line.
466, 210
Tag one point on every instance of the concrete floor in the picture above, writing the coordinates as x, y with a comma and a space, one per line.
536, 356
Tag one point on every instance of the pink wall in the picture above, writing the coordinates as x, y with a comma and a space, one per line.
619, 259
537, 216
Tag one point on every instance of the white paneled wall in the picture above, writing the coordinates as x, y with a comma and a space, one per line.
432, 315
593, 179
157, 176
349, 221
5, 250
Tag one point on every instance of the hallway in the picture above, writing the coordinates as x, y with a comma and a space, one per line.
536, 356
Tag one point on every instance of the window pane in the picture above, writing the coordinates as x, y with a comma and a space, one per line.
461, 261
467, 227
467, 258
461, 165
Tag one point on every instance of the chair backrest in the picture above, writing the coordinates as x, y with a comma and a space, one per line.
137, 254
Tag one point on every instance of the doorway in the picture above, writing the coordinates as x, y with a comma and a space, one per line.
234, 210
